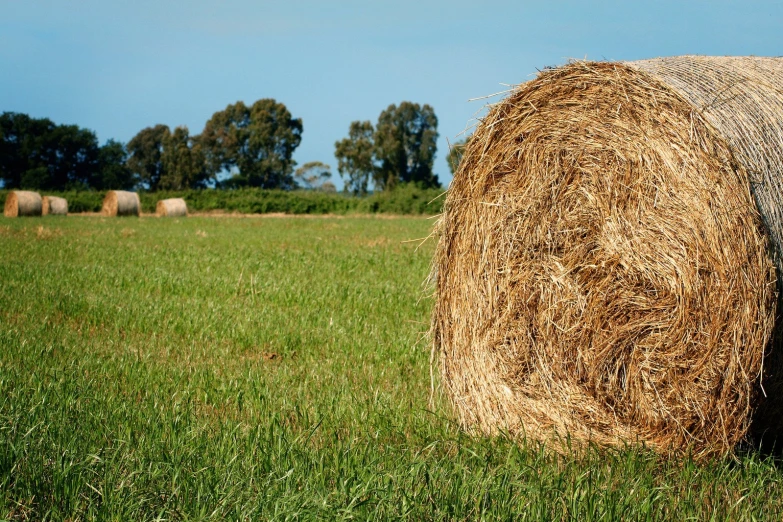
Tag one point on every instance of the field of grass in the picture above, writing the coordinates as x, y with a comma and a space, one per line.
273, 368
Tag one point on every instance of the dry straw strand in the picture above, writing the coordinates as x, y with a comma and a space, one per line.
603, 271
55, 206
121, 203
172, 207
22, 203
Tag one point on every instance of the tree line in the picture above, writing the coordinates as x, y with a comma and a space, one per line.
240, 146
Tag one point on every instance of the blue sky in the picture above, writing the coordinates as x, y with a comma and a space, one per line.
117, 67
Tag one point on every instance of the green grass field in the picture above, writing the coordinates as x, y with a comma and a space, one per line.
274, 368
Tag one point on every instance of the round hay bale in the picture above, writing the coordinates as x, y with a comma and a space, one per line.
606, 263
22, 203
121, 203
173, 207
55, 206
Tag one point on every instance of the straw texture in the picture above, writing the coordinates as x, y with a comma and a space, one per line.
173, 207
22, 203
603, 271
55, 206
742, 97
121, 203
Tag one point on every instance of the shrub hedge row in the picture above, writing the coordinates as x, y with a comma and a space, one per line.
405, 199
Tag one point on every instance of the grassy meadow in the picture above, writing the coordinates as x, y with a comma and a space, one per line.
275, 369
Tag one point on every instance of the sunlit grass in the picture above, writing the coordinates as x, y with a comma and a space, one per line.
224, 368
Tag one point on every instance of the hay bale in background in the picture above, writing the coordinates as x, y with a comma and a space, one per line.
22, 203
173, 207
52, 205
603, 271
121, 203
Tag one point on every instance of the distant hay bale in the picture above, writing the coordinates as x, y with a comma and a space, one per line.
121, 203
55, 206
606, 263
173, 207
22, 203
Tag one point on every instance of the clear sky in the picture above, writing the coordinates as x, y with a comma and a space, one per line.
117, 67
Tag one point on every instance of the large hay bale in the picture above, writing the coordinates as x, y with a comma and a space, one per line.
173, 207
22, 203
55, 206
121, 203
603, 272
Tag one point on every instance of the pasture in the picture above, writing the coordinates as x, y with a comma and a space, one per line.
275, 368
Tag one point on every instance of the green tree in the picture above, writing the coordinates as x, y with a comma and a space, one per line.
113, 173
405, 145
21, 140
455, 154
145, 154
399, 149
183, 162
72, 157
354, 154
313, 175
255, 144
167, 160
37, 154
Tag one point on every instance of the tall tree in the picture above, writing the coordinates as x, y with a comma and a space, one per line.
113, 173
36, 153
72, 157
355, 157
399, 149
455, 154
145, 154
183, 162
20, 147
255, 143
313, 175
405, 145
